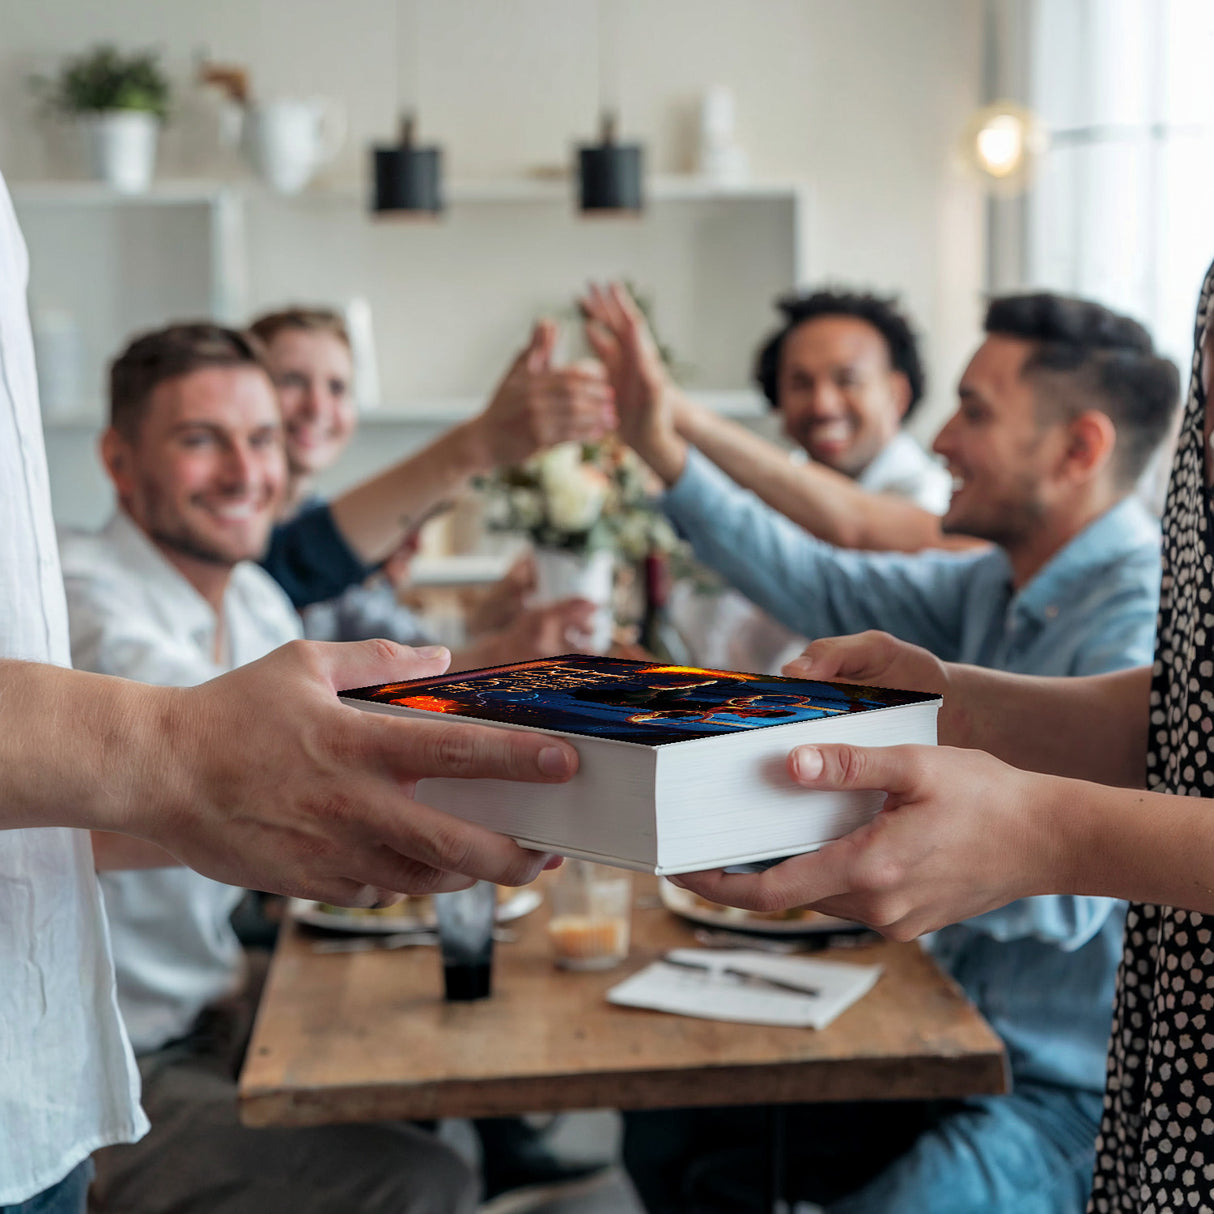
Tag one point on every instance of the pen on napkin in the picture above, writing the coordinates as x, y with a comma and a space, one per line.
713, 968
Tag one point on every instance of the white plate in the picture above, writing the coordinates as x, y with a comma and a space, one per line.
684, 902
419, 919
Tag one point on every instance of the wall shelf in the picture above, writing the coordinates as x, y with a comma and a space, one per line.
673, 187
163, 192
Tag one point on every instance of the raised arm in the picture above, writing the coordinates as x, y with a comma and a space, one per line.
825, 502
263, 778
534, 406
659, 420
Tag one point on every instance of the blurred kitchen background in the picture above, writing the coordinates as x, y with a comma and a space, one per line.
786, 143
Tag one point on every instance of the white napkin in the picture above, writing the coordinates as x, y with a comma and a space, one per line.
715, 994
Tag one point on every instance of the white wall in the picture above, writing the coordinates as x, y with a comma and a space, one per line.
862, 99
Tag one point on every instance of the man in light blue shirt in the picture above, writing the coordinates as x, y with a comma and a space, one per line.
1060, 409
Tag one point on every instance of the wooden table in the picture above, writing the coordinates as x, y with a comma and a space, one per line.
368, 1037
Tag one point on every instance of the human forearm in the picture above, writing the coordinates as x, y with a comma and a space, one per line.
665, 452
1127, 843
826, 503
262, 777
79, 749
376, 515
810, 586
113, 852
1090, 728
962, 834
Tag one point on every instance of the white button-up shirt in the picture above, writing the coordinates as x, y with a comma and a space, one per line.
134, 615
904, 469
68, 1083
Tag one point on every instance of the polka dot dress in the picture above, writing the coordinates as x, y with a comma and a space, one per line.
1155, 1151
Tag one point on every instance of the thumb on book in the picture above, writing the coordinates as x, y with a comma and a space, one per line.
887, 768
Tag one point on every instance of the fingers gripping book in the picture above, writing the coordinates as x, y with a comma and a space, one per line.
680, 768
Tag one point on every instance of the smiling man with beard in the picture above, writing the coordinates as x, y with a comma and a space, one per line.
1059, 411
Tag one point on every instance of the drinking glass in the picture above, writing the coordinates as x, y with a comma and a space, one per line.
591, 916
465, 936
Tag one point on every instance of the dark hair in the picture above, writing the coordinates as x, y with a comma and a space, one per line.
882, 314
301, 320
153, 358
1086, 356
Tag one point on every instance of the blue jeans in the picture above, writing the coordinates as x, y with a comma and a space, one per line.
69, 1196
1027, 1153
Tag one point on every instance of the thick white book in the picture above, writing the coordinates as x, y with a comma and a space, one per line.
681, 768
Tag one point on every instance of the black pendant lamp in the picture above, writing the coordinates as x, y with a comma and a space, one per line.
610, 173
408, 177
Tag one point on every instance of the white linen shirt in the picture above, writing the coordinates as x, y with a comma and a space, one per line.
68, 1083
133, 614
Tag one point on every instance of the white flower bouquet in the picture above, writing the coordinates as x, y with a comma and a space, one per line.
582, 498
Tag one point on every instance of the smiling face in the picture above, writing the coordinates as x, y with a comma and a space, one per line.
313, 373
839, 397
1000, 455
204, 475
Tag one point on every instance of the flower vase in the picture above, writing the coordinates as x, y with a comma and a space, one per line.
561, 574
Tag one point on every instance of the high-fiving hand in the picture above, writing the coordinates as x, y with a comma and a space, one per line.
537, 405
620, 338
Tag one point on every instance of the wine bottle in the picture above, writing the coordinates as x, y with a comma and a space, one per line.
658, 634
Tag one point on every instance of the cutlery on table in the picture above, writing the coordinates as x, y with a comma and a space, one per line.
714, 968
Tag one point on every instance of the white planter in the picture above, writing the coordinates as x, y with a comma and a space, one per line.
121, 147
565, 575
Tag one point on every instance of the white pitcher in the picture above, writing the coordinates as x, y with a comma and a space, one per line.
289, 139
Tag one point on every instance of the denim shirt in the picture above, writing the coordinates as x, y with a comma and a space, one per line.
1040, 969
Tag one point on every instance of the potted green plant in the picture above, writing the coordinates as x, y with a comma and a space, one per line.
119, 101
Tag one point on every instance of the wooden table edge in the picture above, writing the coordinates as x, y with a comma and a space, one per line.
814, 1081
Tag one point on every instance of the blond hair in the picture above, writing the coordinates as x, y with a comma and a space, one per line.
301, 320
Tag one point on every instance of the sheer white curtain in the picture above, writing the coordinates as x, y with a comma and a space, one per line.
1121, 208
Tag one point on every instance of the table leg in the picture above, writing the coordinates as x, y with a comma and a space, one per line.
778, 1161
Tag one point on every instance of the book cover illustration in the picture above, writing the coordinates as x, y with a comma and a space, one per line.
630, 701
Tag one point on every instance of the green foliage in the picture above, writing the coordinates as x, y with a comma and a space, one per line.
104, 78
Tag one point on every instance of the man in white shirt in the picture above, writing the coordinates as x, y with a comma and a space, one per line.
219, 775
168, 593
67, 1080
